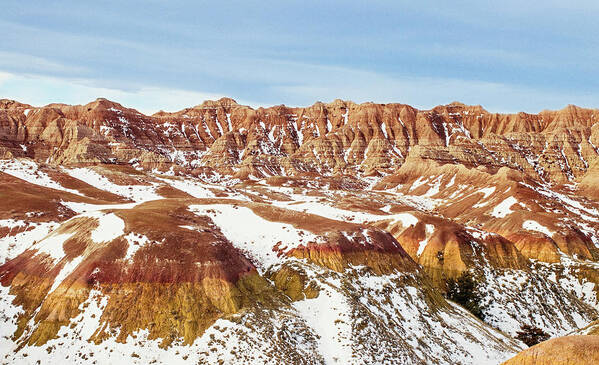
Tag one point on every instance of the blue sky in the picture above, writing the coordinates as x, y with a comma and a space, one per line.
155, 54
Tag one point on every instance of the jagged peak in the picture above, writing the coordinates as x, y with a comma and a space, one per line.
12, 104
572, 106
459, 107
99, 104
227, 100
161, 113
222, 102
568, 108
104, 104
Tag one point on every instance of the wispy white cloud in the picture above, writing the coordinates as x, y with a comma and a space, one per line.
36, 64
504, 56
42, 90
310, 83
425, 93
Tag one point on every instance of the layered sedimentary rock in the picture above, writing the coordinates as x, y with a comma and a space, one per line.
334, 138
330, 233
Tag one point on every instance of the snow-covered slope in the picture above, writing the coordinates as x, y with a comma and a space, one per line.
337, 233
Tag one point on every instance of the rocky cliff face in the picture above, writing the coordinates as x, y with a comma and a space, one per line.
334, 233
335, 138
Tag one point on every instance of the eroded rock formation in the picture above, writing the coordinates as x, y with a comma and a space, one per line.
322, 234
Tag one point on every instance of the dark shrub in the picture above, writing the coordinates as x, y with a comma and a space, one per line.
531, 335
463, 291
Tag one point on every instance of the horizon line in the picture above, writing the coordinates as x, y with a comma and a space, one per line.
255, 106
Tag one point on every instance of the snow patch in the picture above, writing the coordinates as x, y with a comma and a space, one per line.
254, 234
486, 191
502, 209
66, 270
191, 187
136, 241
29, 171
329, 315
429, 229
110, 227
531, 225
138, 193
12, 245
52, 245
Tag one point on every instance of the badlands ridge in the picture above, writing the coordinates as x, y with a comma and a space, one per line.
334, 233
